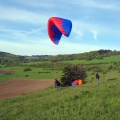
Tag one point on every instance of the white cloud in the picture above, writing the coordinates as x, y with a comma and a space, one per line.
36, 3
22, 35
46, 47
25, 25
19, 15
77, 32
71, 48
37, 48
94, 34
111, 5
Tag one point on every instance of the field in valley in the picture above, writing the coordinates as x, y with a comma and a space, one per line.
85, 102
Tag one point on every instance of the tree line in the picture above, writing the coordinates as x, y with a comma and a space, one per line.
7, 58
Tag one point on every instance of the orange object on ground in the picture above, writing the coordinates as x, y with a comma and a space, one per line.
80, 82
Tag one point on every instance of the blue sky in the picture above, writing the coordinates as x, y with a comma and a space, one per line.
23, 26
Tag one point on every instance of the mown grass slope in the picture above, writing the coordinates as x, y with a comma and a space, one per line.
85, 102
35, 73
114, 58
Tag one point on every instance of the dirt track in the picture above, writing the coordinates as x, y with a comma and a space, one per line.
15, 87
7, 71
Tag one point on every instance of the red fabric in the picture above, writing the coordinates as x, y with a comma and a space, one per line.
75, 82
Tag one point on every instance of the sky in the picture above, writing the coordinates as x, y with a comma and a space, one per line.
23, 26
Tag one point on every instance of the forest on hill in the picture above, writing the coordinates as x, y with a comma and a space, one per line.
8, 58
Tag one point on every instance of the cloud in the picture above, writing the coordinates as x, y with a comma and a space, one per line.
111, 5
35, 3
22, 35
36, 48
94, 34
24, 23
77, 32
65, 47
46, 47
19, 15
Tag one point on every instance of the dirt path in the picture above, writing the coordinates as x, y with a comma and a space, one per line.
15, 87
7, 71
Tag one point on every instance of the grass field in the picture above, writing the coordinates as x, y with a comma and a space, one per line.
35, 73
85, 102
115, 58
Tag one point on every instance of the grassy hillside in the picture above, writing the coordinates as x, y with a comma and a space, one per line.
39, 71
85, 102
11, 59
35, 73
113, 58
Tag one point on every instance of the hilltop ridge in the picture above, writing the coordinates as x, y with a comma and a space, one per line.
99, 54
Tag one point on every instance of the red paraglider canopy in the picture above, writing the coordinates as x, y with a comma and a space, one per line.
57, 27
75, 82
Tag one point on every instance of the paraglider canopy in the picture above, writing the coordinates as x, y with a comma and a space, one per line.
58, 26
75, 82
80, 82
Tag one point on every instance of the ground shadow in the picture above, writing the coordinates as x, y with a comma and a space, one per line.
112, 78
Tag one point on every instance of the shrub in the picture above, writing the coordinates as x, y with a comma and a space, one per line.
110, 67
27, 69
26, 75
8, 73
72, 72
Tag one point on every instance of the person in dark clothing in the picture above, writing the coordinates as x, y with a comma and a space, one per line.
57, 83
97, 78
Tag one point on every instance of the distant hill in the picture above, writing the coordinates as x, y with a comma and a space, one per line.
87, 55
8, 58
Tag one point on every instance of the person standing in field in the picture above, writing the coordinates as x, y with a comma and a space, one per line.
97, 78
56, 83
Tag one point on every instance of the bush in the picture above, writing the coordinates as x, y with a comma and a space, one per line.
8, 73
110, 67
72, 72
27, 69
26, 75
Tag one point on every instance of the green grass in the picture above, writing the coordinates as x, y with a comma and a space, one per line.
85, 102
115, 58
46, 73
35, 73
